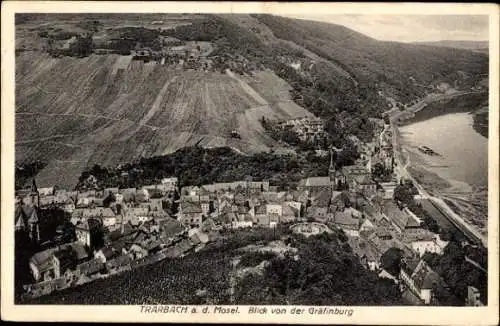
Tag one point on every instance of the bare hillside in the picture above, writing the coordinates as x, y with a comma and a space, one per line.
109, 109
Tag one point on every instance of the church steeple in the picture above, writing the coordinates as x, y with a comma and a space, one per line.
331, 161
34, 188
331, 170
35, 198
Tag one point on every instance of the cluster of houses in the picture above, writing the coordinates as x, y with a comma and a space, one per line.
306, 128
112, 235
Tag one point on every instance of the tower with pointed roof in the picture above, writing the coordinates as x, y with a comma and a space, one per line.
35, 196
331, 168
337, 177
332, 172
20, 220
33, 225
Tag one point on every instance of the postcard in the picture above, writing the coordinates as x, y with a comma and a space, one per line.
250, 162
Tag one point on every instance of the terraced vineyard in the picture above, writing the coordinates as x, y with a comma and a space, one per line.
74, 112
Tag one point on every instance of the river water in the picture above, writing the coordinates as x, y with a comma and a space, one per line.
463, 151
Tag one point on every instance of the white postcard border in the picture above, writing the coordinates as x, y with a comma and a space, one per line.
361, 315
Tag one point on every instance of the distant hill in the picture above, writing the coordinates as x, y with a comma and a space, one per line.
467, 45
108, 109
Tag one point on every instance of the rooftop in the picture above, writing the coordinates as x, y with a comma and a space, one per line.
425, 278
418, 235
398, 216
346, 219
189, 207
317, 182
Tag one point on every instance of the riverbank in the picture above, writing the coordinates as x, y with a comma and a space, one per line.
449, 175
455, 103
470, 202
481, 121
474, 103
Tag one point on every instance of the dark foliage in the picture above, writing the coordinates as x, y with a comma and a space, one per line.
481, 123
391, 260
25, 172
459, 273
252, 259
197, 166
322, 273
50, 219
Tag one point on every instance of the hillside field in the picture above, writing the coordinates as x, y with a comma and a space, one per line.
107, 109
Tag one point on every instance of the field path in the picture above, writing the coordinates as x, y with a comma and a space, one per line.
247, 88
27, 141
156, 105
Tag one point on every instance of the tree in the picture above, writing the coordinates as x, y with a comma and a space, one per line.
403, 194
290, 137
109, 199
431, 224
378, 170
391, 260
83, 46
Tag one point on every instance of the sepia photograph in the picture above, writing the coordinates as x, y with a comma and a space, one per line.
242, 160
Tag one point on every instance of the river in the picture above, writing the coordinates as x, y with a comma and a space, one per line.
463, 151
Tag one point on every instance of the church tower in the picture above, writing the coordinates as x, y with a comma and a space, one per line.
332, 173
35, 197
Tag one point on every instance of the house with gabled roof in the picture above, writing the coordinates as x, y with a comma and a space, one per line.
363, 184
41, 265
118, 264
171, 228
422, 241
420, 279
90, 267
242, 221
317, 213
366, 225
398, 217
190, 213
170, 184
382, 233
290, 213
348, 220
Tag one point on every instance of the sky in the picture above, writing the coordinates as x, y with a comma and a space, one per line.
411, 28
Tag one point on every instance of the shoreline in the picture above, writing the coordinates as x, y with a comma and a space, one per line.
466, 200
474, 103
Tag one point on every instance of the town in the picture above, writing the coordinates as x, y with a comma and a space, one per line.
95, 233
